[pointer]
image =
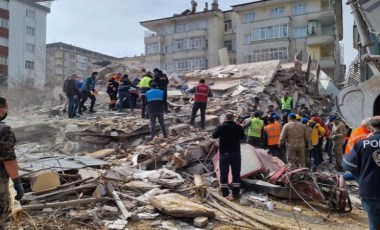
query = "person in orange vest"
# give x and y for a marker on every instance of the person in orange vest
(201, 94)
(358, 134)
(271, 135)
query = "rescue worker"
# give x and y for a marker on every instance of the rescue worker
(286, 103)
(337, 135)
(201, 94)
(255, 129)
(155, 99)
(364, 163)
(230, 134)
(309, 146)
(8, 166)
(271, 135)
(88, 91)
(162, 82)
(112, 87)
(315, 117)
(294, 136)
(124, 94)
(72, 93)
(317, 132)
(144, 85)
(358, 134)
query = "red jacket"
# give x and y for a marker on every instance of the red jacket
(201, 93)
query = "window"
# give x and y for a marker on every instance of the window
(227, 25)
(300, 8)
(152, 48)
(312, 27)
(196, 63)
(4, 4)
(29, 48)
(270, 32)
(203, 24)
(300, 32)
(3, 60)
(29, 65)
(179, 28)
(268, 54)
(4, 23)
(228, 44)
(249, 17)
(247, 39)
(178, 45)
(170, 29)
(277, 12)
(30, 14)
(4, 41)
(30, 30)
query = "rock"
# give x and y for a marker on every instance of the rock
(214, 111)
(210, 120)
(155, 223)
(178, 129)
(196, 169)
(199, 222)
(44, 180)
(179, 206)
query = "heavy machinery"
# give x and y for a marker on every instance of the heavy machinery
(357, 102)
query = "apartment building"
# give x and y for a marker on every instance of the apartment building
(64, 60)
(186, 41)
(22, 42)
(251, 32)
(278, 29)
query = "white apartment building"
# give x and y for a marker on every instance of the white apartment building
(186, 41)
(251, 32)
(26, 62)
(64, 60)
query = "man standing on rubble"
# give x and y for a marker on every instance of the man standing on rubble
(337, 135)
(294, 136)
(230, 134)
(124, 94)
(8, 166)
(364, 163)
(201, 94)
(155, 99)
(162, 82)
(286, 103)
(144, 85)
(88, 91)
(255, 129)
(271, 135)
(72, 93)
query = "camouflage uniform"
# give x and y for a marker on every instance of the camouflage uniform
(7, 143)
(295, 136)
(338, 132)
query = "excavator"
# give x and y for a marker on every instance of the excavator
(357, 102)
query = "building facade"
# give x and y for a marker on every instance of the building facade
(64, 60)
(22, 43)
(251, 32)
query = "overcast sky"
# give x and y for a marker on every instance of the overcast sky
(112, 26)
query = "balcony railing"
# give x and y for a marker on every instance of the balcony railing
(148, 34)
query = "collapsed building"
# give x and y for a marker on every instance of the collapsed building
(101, 171)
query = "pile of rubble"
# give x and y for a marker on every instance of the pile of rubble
(102, 171)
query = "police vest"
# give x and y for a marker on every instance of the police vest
(357, 134)
(255, 128)
(154, 95)
(145, 82)
(201, 93)
(286, 104)
(273, 132)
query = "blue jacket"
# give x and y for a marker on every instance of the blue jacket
(88, 84)
(364, 163)
(155, 98)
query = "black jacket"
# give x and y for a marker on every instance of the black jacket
(71, 88)
(230, 134)
(161, 80)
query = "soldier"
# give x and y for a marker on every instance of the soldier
(337, 135)
(294, 136)
(8, 166)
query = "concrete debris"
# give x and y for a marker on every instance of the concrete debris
(106, 163)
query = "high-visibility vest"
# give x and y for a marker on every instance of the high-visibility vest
(201, 93)
(273, 132)
(145, 82)
(357, 134)
(255, 129)
(286, 104)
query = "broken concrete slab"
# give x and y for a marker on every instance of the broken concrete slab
(179, 206)
(44, 180)
(200, 222)
(178, 129)
(101, 153)
(211, 120)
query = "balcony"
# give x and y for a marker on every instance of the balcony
(181, 54)
(154, 39)
(193, 33)
(326, 15)
(322, 38)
